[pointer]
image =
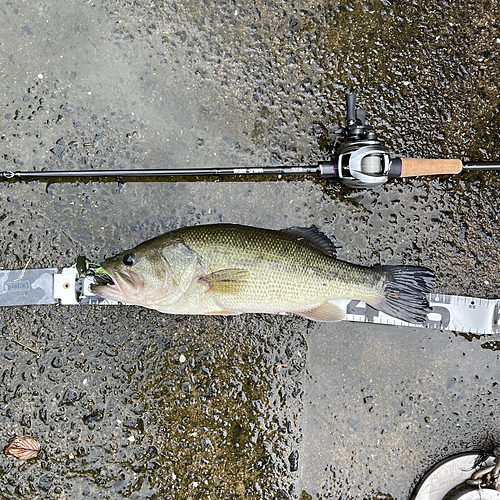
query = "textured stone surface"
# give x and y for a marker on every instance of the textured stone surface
(128, 403)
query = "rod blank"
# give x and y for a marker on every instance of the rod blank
(278, 170)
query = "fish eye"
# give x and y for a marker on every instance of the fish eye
(129, 259)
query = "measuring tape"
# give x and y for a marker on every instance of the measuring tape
(448, 312)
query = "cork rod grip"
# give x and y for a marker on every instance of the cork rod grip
(412, 167)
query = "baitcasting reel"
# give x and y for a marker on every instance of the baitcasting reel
(362, 160)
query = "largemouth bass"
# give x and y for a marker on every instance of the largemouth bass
(233, 269)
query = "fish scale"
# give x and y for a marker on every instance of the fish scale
(232, 269)
(278, 266)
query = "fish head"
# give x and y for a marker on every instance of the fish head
(139, 276)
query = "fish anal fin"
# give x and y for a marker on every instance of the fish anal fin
(225, 281)
(325, 312)
(222, 313)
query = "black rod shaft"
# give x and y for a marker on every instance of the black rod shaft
(482, 165)
(278, 170)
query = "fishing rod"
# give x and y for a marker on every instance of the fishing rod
(360, 160)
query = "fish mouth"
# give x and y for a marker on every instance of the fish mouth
(118, 285)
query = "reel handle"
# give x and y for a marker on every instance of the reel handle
(413, 167)
(351, 108)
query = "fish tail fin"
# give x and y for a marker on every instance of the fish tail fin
(404, 292)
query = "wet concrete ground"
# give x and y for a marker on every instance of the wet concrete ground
(129, 403)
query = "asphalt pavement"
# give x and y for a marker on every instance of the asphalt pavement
(129, 403)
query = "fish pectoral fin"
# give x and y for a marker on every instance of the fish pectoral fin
(226, 280)
(325, 312)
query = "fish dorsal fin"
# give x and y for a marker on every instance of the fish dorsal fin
(315, 238)
(325, 312)
(226, 280)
